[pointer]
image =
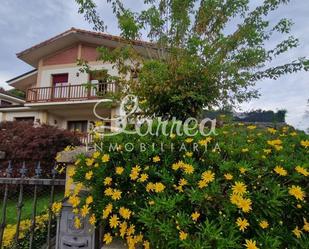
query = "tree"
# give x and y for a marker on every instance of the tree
(192, 61)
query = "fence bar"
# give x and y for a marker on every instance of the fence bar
(5, 198)
(23, 172)
(51, 201)
(38, 172)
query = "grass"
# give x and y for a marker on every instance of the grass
(42, 205)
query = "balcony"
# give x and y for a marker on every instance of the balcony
(70, 92)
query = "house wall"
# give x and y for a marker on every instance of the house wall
(10, 116)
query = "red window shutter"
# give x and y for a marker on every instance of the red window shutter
(60, 78)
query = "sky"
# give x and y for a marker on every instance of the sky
(26, 23)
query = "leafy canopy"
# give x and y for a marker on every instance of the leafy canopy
(202, 53)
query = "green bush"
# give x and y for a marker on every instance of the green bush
(247, 190)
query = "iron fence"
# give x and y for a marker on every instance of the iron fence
(26, 197)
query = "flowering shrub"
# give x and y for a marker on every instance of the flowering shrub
(24, 232)
(248, 189)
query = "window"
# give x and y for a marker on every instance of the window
(60, 79)
(5, 103)
(80, 125)
(24, 119)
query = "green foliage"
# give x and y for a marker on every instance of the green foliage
(182, 183)
(204, 53)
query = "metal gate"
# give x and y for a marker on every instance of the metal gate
(22, 234)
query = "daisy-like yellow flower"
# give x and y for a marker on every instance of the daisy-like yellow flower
(245, 204)
(267, 151)
(297, 232)
(89, 175)
(116, 195)
(172, 136)
(84, 211)
(74, 201)
(189, 154)
(108, 192)
(189, 140)
(89, 199)
(113, 221)
(107, 210)
(71, 172)
(135, 172)
(280, 171)
(202, 184)
(56, 207)
(306, 225)
(205, 141)
(125, 213)
(271, 130)
(251, 127)
(156, 159)
(208, 176)
(183, 182)
(143, 177)
(304, 143)
(77, 223)
(244, 150)
(242, 224)
(89, 162)
(228, 176)
(195, 216)
(243, 170)
(96, 154)
(159, 187)
(107, 238)
(188, 169)
(264, 224)
(119, 170)
(108, 181)
(131, 230)
(123, 228)
(293, 134)
(239, 188)
(92, 219)
(183, 235)
(146, 244)
(105, 158)
(302, 170)
(250, 244)
(297, 192)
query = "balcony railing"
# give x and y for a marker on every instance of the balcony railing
(70, 92)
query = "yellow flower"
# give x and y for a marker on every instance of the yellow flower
(239, 188)
(159, 187)
(263, 224)
(56, 207)
(146, 244)
(107, 238)
(195, 216)
(228, 176)
(242, 170)
(84, 211)
(188, 169)
(143, 177)
(71, 172)
(251, 127)
(189, 140)
(135, 172)
(108, 181)
(245, 204)
(96, 154)
(172, 136)
(271, 130)
(205, 141)
(131, 230)
(92, 219)
(116, 195)
(267, 151)
(280, 171)
(105, 158)
(119, 170)
(306, 225)
(251, 244)
(74, 201)
(107, 210)
(89, 175)
(89, 161)
(302, 170)
(244, 150)
(150, 187)
(297, 232)
(114, 221)
(123, 228)
(183, 182)
(151, 203)
(297, 192)
(77, 223)
(293, 134)
(108, 192)
(305, 143)
(242, 224)
(208, 176)
(202, 184)
(156, 159)
(125, 213)
(189, 154)
(183, 235)
(89, 200)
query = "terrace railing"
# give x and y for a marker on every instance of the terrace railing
(22, 184)
(70, 92)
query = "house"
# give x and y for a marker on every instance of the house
(56, 89)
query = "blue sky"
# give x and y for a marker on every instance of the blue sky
(26, 23)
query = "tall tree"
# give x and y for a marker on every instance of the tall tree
(193, 61)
